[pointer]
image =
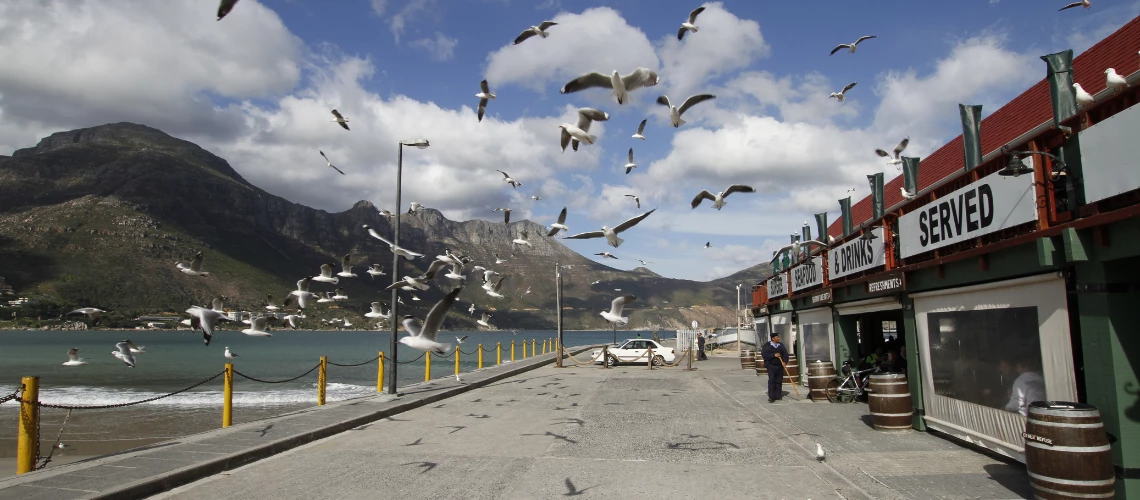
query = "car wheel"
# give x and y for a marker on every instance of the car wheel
(658, 361)
(611, 360)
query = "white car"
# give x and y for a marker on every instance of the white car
(633, 351)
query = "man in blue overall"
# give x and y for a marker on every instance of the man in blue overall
(774, 354)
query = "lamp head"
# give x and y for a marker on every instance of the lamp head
(1015, 167)
(419, 143)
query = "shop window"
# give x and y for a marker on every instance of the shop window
(817, 344)
(990, 357)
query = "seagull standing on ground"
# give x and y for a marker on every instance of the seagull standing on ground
(614, 314)
(340, 119)
(842, 94)
(423, 338)
(675, 112)
(894, 154)
(539, 30)
(73, 358)
(484, 96)
(635, 199)
(718, 199)
(621, 85)
(580, 133)
(819, 455)
(1084, 99)
(124, 352)
(507, 178)
(611, 234)
(851, 46)
(1083, 3)
(630, 165)
(1115, 81)
(329, 162)
(560, 225)
(195, 267)
(690, 25)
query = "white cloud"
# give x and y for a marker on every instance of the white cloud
(724, 44)
(412, 9)
(440, 48)
(598, 39)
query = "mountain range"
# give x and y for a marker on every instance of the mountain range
(99, 217)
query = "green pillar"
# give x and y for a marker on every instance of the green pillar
(846, 339)
(913, 367)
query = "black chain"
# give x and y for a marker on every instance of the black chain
(12, 396)
(277, 381)
(469, 353)
(54, 447)
(120, 405)
(412, 361)
(357, 364)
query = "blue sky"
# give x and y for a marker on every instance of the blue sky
(256, 87)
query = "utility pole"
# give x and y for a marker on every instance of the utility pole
(616, 290)
(558, 315)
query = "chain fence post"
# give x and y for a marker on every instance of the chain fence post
(480, 356)
(427, 366)
(228, 396)
(29, 432)
(457, 353)
(499, 353)
(380, 374)
(321, 377)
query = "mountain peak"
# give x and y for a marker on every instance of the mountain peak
(363, 204)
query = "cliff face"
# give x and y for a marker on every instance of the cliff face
(99, 216)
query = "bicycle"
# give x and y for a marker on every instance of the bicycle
(848, 389)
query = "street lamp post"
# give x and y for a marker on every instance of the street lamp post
(422, 144)
(616, 290)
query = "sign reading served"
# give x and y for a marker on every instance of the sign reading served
(991, 204)
(777, 286)
(808, 274)
(856, 255)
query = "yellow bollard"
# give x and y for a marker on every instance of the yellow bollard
(228, 396)
(480, 356)
(29, 433)
(380, 374)
(499, 353)
(512, 350)
(427, 366)
(533, 347)
(321, 380)
(524, 349)
(457, 353)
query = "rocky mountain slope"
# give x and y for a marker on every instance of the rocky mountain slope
(99, 216)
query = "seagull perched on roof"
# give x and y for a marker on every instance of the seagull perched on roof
(327, 160)
(423, 337)
(894, 154)
(1084, 99)
(484, 95)
(851, 46)
(1115, 81)
(842, 94)
(635, 199)
(506, 214)
(718, 199)
(1083, 3)
(614, 314)
(907, 195)
(630, 165)
(641, 130)
(506, 178)
(690, 25)
(340, 119)
(580, 133)
(560, 225)
(195, 267)
(675, 112)
(539, 30)
(611, 234)
(621, 85)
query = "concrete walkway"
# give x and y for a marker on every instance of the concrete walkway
(627, 432)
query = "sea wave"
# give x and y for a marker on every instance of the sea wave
(98, 396)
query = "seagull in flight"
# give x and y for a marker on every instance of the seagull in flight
(493, 289)
(851, 46)
(326, 275)
(327, 160)
(630, 165)
(124, 352)
(423, 338)
(675, 112)
(644, 262)
(339, 119)
(195, 267)
(635, 199)
(718, 199)
(258, 327)
(621, 85)
(560, 225)
(606, 255)
(375, 270)
(641, 130)
(92, 313)
(580, 133)
(536, 198)
(689, 24)
(521, 239)
(708, 244)
(403, 252)
(206, 319)
(611, 234)
(73, 358)
(539, 30)
(506, 214)
(614, 314)
(894, 155)
(842, 94)
(459, 340)
(506, 178)
(794, 249)
(301, 295)
(346, 267)
(414, 207)
(1083, 3)
(484, 95)
(225, 7)
(484, 320)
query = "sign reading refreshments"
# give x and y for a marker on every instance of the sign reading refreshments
(777, 286)
(808, 274)
(856, 255)
(892, 282)
(990, 204)
(821, 297)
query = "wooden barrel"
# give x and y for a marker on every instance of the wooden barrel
(747, 359)
(891, 409)
(1067, 452)
(793, 374)
(819, 374)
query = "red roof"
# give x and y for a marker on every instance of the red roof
(1017, 117)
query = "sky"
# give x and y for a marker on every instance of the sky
(257, 87)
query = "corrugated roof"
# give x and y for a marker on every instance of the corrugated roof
(1017, 117)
